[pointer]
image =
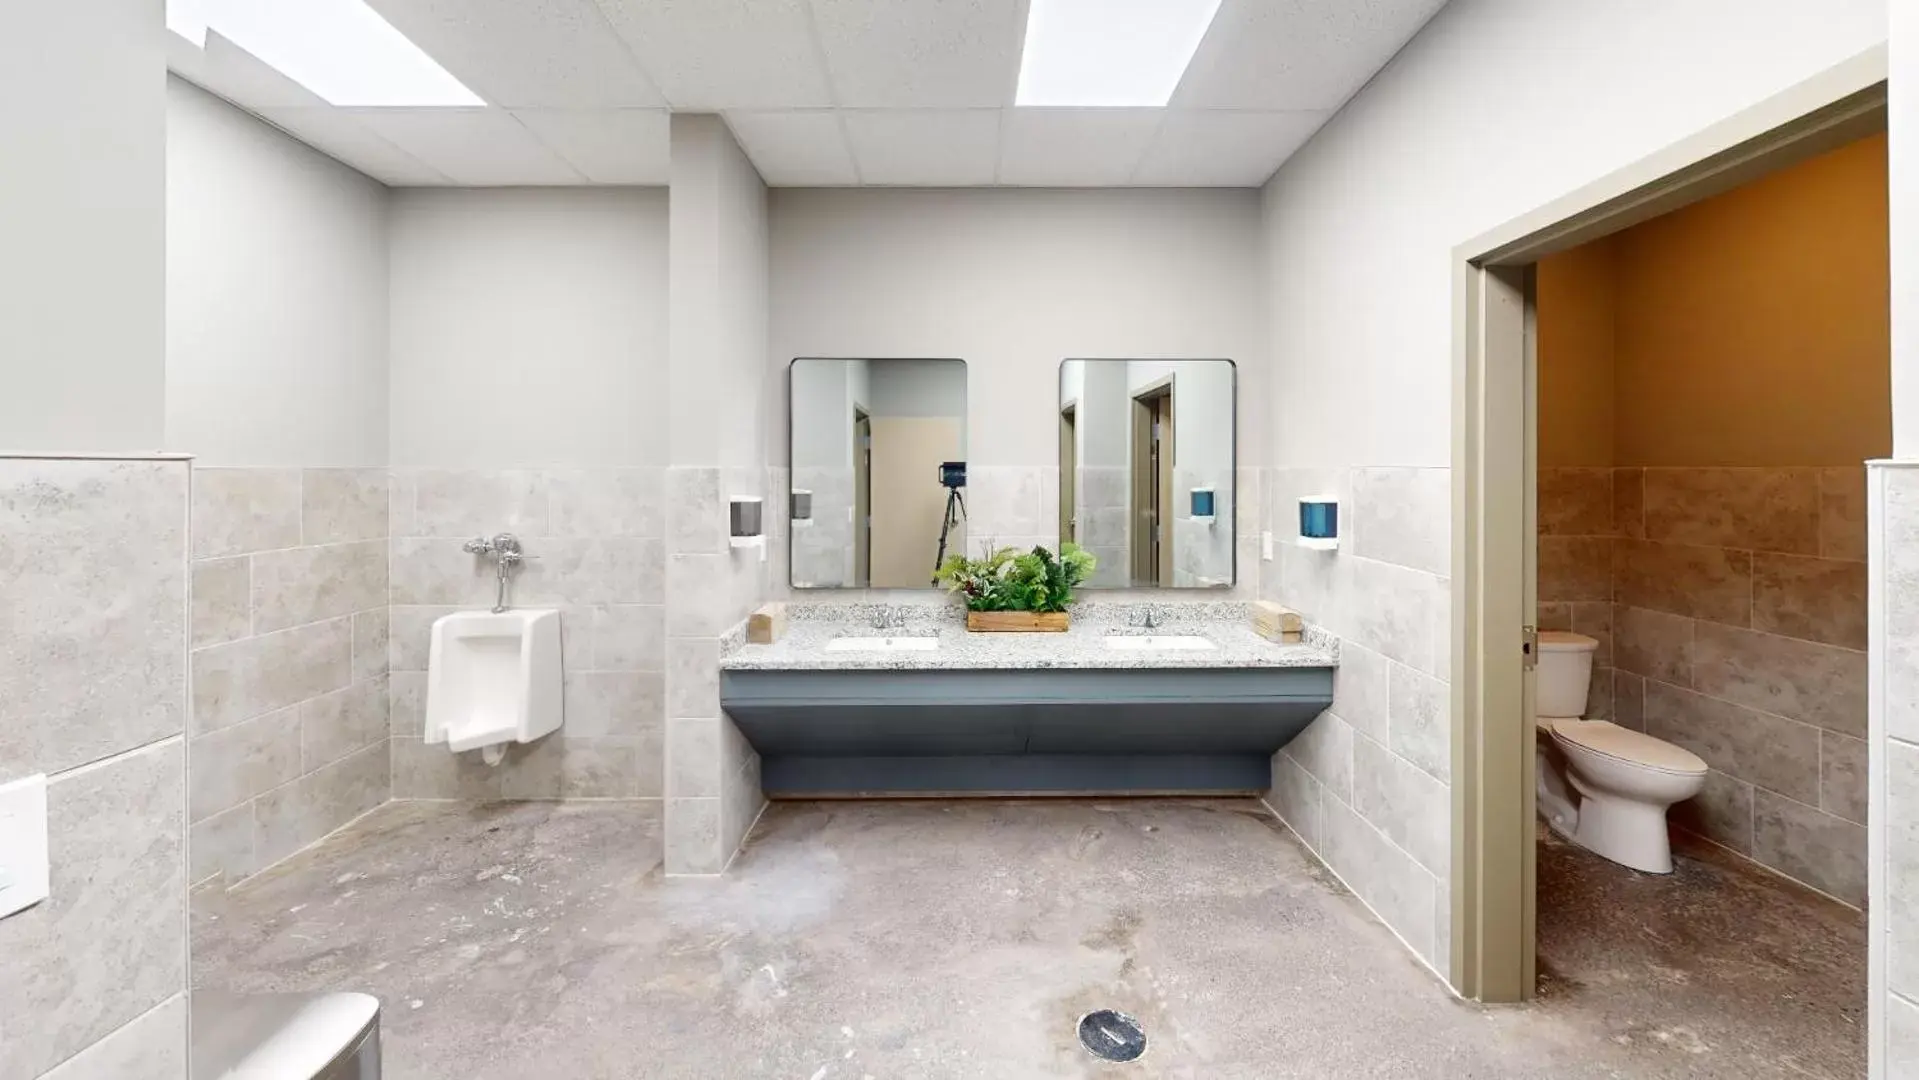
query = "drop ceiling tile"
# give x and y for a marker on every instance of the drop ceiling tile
(527, 53)
(472, 147)
(1216, 148)
(925, 147)
(1074, 147)
(1297, 54)
(921, 54)
(607, 146)
(345, 139)
(725, 54)
(227, 70)
(796, 149)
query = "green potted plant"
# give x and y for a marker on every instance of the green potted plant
(1011, 590)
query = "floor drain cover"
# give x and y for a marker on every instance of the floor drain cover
(1114, 1036)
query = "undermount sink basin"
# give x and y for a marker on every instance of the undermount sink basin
(883, 644)
(1158, 642)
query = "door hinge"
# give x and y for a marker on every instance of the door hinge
(1529, 645)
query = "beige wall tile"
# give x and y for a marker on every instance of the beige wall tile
(567, 767)
(1703, 582)
(1842, 776)
(1900, 646)
(695, 607)
(238, 511)
(109, 943)
(1555, 615)
(438, 573)
(1403, 516)
(1295, 798)
(1575, 568)
(607, 502)
(1653, 643)
(610, 570)
(1802, 680)
(1395, 611)
(1824, 851)
(1902, 867)
(222, 601)
(1410, 807)
(1595, 620)
(370, 645)
(343, 505)
(222, 845)
(629, 637)
(693, 759)
(1721, 812)
(1754, 509)
(431, 771)
(602, 704)
(1768, 751)
(406, 704)
(1325, 749)
(243, 679)
(1902, 1037)
(692, 678)
(1359, 689)
(1842, 513)
(1419, 730)
(693, 842)
(94, 576)
(337, 724)
(152, 1046)
(1382, 874)
(294, 815)
(1629, 699)
(1575, 502)
(410, 635)
(1629, 502)
(308, 584)
(464, 503)
(1815, 599)
(233, 764)
(696, 514)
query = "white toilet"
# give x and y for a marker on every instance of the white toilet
(493, 678)
(1603, 786)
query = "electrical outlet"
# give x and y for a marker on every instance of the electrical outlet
(23, 844)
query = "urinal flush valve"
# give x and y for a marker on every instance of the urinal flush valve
(506, 553)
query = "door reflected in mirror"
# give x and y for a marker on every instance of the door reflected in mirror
(878, 471)
(1146, 460)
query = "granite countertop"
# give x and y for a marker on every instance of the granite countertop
(1226, 624)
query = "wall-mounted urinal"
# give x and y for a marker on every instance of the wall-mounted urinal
(493, 678)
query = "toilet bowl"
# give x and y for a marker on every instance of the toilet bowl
(1603, 786)
(493, 678)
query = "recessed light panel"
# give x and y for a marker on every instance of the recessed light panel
(341, 50)
(1109, 52)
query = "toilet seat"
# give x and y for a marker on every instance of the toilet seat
(1636, 748)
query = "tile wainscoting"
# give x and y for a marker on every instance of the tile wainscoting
(288, 737)
(1730, 605)
(93, 693)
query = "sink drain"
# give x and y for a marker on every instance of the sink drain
(1114, 1036)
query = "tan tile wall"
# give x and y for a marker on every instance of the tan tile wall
(596, 551)
(1737, 629)
(1367, 786)
(288, 734)
(93, 684)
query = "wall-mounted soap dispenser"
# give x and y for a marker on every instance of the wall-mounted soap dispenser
(801, 508)
(1319, 522)
(1202, 502)
(744, 523)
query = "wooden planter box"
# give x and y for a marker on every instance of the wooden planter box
(1018, 622)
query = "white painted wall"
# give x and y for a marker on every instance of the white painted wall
(276, 295)
(82, 226)
(1013, 282)
(529, 327)
(1497, 107)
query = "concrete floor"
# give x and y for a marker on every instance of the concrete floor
(965, 939)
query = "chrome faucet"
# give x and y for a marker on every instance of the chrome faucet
(1148, 621)
(506, 553)
(887, 620)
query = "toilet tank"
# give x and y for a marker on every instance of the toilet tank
(1565, 673)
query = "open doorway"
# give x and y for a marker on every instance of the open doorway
(1501, 565)
(1155, 449)
(862, 497)
(1069, 472)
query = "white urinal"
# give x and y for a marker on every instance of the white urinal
(493, 678)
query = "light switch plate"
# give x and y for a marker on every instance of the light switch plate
(23, 844)
(1266, 545)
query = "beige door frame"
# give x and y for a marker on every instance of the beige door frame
(1494, 458)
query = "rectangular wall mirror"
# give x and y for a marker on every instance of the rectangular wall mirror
(1146, 470)
(878, 460)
